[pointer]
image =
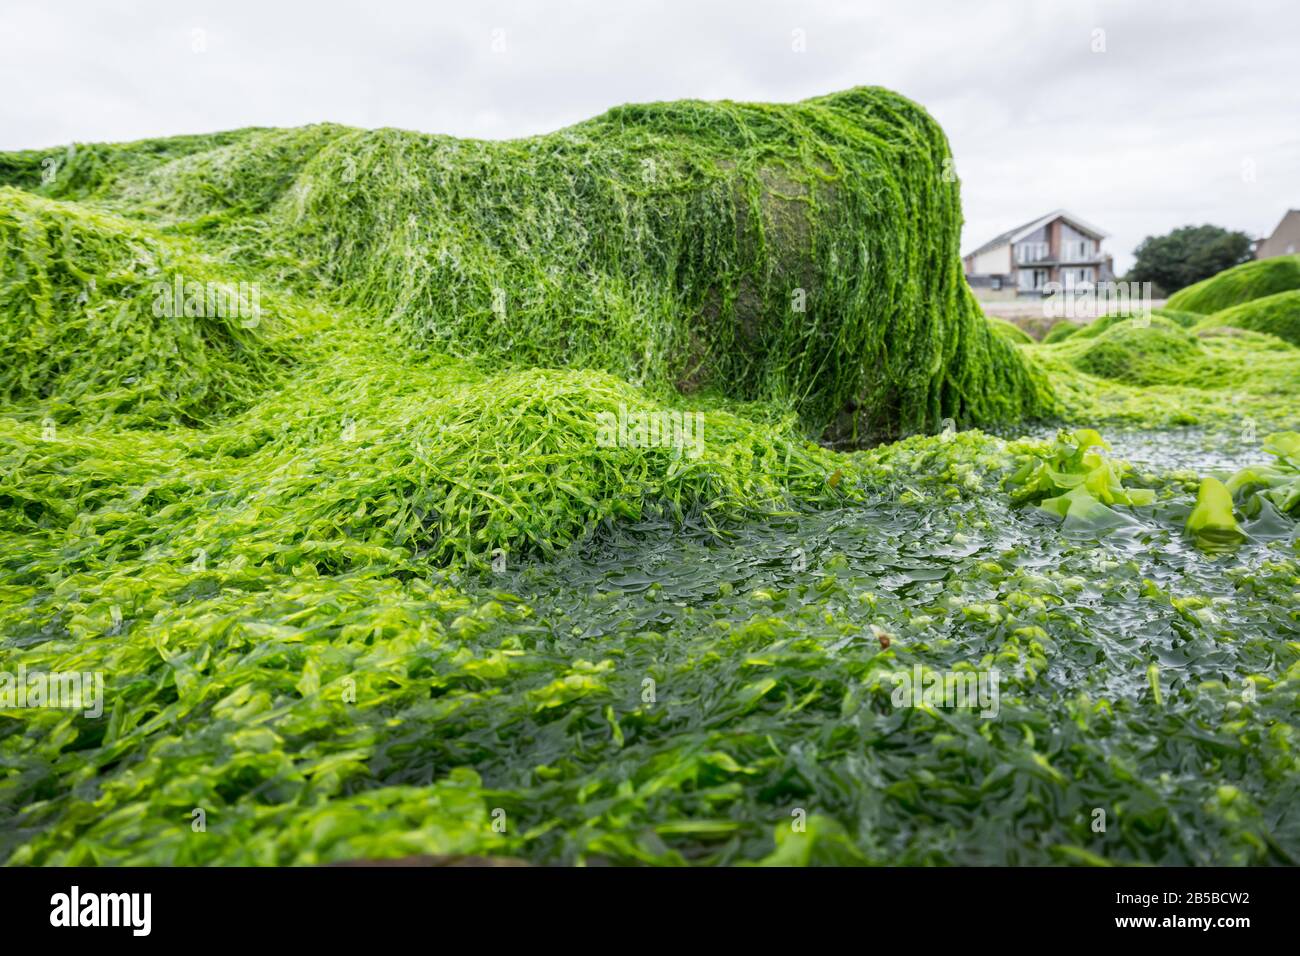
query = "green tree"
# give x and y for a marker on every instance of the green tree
(1188, 254)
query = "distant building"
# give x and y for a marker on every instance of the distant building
(1285, 240)
(1056, 248)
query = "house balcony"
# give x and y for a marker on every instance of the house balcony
(1094, 260)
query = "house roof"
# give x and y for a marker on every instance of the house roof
(1282, 222)
(1019, 232)
(1283, 237)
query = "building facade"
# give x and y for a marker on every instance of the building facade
(1285, 240)
(1058, 250)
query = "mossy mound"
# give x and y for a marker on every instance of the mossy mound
(804, 255)
(1273, 314)
(1068, 328)
(366, 455)
(245, 173)
(1135, 354)
(1061, 331)
(1010, 331)
(1250, 280)
(81, 171)
(1180, 316)
(1237, 375)
(1095, 327)
(91, 324)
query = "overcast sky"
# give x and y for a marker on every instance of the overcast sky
(1138, 117)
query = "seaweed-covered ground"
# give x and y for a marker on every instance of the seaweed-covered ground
(497, 512)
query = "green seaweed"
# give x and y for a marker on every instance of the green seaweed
(1159, 353)
(406, 567)
(1250, 280)
(1212, 522)
(1061, 331)
(1073, 479)
(1278, 483)
(1179, 316)
(1154, 374)
(1277, 314)
(1067, 328)
(90, 330)
(751, 250)
(664, 696)
(1010, 331)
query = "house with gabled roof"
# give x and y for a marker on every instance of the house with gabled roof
(1058, 250)
(1285, 240)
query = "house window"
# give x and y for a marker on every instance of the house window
(1028, 280)
(1031, 251)
(1076, 249)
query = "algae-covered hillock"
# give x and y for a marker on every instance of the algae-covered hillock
(1152, 353)
(1068, 328)
(103, 319)
(1010, 331)
(1277, 314)
(801, 254)
(1250, 280)
(1156, 372)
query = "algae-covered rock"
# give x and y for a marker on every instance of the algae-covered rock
(804, 254)
(101, 318)
(1061, 331)
(1010, 331)
(1068, 328)
(1181, 317)
(1250, 280)
(1277, 315)
(1139, 353)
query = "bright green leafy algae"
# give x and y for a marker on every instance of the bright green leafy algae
(1061, 331)
(1077, 482)
(1274, 314)
(1243, 283)
(1010, 331)
(83, 336)
(1156, 374)
(1211, 522)
(365, 576)
(770, 692)
(1277, 484)
(1155, 354)
(804, 254)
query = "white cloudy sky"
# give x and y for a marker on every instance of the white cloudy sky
(1163, 128)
